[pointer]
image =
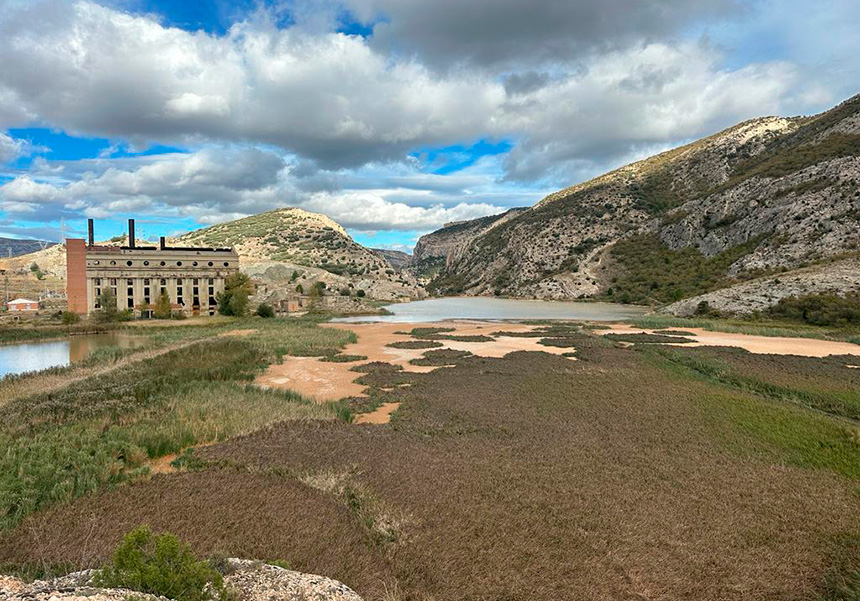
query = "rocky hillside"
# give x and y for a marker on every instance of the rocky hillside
(839, 277)
(292, 236)
(768, 195)
(435, 250)
(396, 258)
(312, 245)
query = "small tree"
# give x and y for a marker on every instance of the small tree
(234, 300)
(159, 564)
(162, 307)
(109, 311)
(264, 310)
(37, 271)
(360, 293)
(68, 318)
(300, 289)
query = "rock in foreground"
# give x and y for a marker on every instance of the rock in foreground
(249, 580)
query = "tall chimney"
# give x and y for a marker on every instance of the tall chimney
(161, 243)
(131, 233)
(90, 235)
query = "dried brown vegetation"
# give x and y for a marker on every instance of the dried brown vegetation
(622, 475)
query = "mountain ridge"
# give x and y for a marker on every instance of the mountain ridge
(768, 194)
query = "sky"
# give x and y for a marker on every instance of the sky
(392, 117)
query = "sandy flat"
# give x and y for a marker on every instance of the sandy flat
(322, 381)
(381, 415)
(326, 381)
(767, 345)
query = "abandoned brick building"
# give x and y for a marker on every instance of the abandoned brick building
(137, 275)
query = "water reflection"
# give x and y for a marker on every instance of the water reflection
(34, 356)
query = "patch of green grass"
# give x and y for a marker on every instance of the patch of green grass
(749, 423)
(813, 383)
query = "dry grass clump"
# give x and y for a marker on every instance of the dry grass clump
(426, 332)
(440, 357)
(414, 344)
(647, 338)
(343, 358)
(376, 366)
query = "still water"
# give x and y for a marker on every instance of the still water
(31, 356)
(463, 307)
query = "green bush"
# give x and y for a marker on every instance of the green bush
(265, 311)
(109, 311)
(68, 318)
(650, 271)
(234, 299)
(159, 564)
(819, 309)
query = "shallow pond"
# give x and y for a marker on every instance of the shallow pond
(32, 356)
(469, 307)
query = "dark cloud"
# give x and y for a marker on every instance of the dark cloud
(505, 34)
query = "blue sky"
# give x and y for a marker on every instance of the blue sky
(391, 117)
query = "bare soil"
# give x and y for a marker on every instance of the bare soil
(771, 345)
(326, 381)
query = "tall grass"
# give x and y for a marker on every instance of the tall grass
(101, 430)
(753, 328)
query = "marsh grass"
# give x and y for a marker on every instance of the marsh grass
(414, 344)
(538, 466)
(754, 417)
(84, 428)
(647, 338)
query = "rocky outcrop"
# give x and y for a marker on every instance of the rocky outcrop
(436, 250)
(248, 580)
(840, 277)
(396, 258)
(784, 191)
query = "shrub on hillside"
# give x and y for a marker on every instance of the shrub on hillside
(265, 311)
(820, 309)
(159, 564)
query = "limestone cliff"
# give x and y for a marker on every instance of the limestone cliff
(764, 196)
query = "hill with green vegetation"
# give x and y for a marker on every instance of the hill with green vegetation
(766, 196)
(309, 244)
